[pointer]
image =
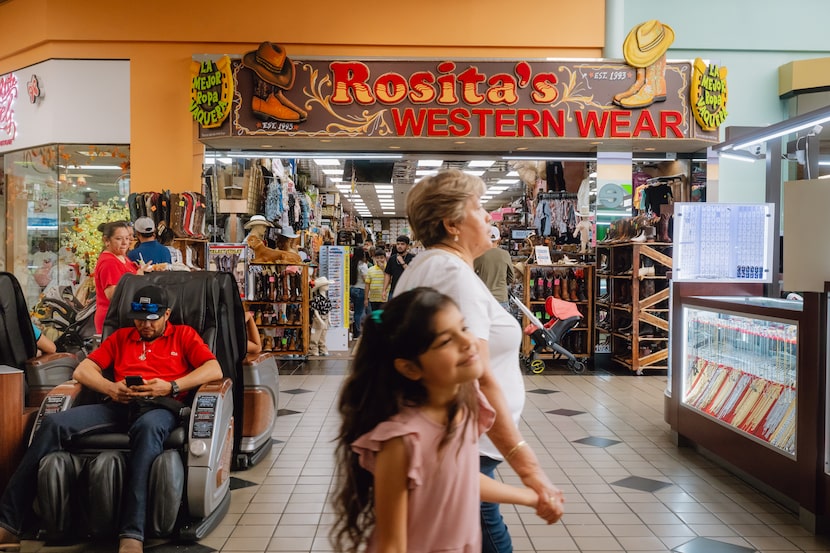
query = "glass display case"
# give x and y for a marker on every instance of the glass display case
(741, 370)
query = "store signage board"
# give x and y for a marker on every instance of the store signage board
(457, 100)
(722, 242)
(8, 95)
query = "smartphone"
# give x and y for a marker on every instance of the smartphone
(134, 381)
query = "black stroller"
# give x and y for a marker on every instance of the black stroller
(549, 336)
(74, 322)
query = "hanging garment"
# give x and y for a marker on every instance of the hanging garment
(543, 218)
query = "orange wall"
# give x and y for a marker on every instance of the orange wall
(159, 38)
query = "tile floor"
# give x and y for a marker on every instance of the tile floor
(600, 436)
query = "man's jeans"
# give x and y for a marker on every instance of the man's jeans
(357, 297)
(147, 437)
(494, 533)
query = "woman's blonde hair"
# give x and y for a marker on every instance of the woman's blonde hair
(442, 196)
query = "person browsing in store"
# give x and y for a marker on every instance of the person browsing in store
(148, 249)
(112, 264)
(169, 360)
(396, 264)
(407, 450)
(446, 215)
(495, 268)
(375, 279)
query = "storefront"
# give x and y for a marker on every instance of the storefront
(64, 156)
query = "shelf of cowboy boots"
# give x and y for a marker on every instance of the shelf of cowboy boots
(278, 295)
(568, 282)
(194, 251)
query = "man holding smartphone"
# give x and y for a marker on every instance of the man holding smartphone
(155, 359)
(396, 264)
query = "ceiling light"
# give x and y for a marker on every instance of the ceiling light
(384, 187)
(798, 123)
(481, 163)
(497, 189)
(485, 198)
(336, 179)
(569, 157)
(512, 174)
(474, 173)
(430, 162)
(738, 155)
(326, 161)
(100, 167)
(507, 181)
(425, 173)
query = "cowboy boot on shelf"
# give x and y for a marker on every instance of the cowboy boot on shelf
(663, 228)
(654, 89)
(573, 289)
(557, 288)
(634, 88)
(646, 289)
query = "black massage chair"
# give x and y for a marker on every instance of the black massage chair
(79, 489)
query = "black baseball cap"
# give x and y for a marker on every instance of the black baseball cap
(149, 304)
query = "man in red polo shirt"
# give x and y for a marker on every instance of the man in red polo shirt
(168, 360)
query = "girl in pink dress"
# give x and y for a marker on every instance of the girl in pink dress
(408, 446)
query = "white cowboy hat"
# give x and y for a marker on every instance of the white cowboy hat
(584, 212)
(258, 220)
(320, 282)
(288, 232)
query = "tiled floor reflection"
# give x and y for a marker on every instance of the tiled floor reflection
(628, 487)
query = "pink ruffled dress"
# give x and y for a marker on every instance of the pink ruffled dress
(443, 503)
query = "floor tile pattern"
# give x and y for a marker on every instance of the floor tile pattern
(615, 496)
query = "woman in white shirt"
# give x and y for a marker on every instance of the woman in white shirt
(445, 214)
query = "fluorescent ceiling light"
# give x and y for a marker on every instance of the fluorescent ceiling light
(425, 173)
(326, 161)
(736, 155)
(332, 171)
(336, 179)
(481, 163)
(487, 198)
(430, 162)
(99, 167)
(384, 187)
(507, 181)
(497, 188)
(512, 174)
(782, 132)
(552, 158)
(474, 173)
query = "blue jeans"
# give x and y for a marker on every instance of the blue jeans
(147, 435)
(494, 533)
(357, 297)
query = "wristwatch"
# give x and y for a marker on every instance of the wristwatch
(174, 388)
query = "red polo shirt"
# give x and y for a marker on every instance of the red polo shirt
(172, 355)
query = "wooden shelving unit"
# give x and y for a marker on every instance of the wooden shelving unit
(632, 305)
(198, 248)
(278, 296)
(540, 282)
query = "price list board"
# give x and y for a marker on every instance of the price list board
(723, 242)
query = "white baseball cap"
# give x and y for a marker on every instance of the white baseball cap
(494, 234)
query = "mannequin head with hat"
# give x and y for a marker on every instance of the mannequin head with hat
(257, 225)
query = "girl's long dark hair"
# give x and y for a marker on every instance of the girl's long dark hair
(374, 391)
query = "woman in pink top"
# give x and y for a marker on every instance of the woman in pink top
(408, 447)
(112, 264)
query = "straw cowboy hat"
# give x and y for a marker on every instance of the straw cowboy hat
(646, 42)
(320, 282)
(270, 62)
(258, 220)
